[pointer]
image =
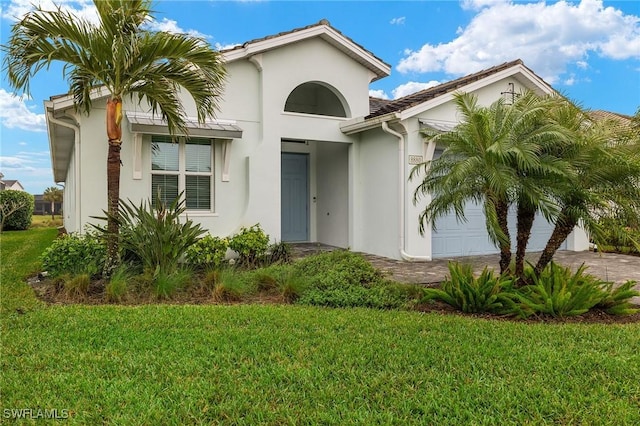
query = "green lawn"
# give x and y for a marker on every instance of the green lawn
(251, 364)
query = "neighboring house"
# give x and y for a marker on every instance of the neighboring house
(11, 184)
(298, 147)
(42, 207)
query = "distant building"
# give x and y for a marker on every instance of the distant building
(43, 207)
(10, 184)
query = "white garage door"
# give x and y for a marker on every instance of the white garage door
(470, 238)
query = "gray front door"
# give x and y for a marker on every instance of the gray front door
(295, 197)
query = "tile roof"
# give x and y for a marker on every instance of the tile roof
(600, 114)
(376, 103)
(417, 98)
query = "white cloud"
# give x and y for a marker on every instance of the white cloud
(16, 9)
(171, 26)
(220, 46)
(15, 114)
(378, 94)
(398, 21)
(547, 37)
(412, 87)
(479, 4)
(85, 9)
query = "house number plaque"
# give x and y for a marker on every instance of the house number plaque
(415, 159)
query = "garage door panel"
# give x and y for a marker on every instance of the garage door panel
(453, 238)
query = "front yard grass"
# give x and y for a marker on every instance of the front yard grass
(253, 364)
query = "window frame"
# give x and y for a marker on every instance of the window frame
(182, 172)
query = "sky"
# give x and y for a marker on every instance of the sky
(588, 50)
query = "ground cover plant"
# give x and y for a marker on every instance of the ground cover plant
(276, 364)
(556, 292)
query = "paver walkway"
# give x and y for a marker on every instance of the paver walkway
(608, 266)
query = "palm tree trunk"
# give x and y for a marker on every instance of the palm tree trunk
(525, 217)
(563, 228)
(502, 209)
(114, 132)
(52, 208)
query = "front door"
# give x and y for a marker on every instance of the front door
(295, 197)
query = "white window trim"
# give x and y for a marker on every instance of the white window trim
(182, 174)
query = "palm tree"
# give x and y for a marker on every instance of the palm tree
(53, 195)
(123, 59)
(543, 172)
(473, 167)
(499, 155)
(607, 179)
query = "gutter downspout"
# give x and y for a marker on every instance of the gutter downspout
(76, 165)
(401, 195)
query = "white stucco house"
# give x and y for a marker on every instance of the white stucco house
(298, 146)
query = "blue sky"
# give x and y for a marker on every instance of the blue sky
(589, 50)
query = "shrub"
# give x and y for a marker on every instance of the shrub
(486, 293)
(208, 252)
(338, 268)
(382, 295)
(16, 210)
(116, 288)
(75, 254)
(77, 285)
(617, 301)
(154, 234)
(345, 279)
(251, 245)
(559, 292)
(278, 253)
(231, 286)
(165, 284)
(280, 279)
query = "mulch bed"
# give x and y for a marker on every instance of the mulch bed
(48, 291)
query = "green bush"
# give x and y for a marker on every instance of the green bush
(280, 279)
(166, 284)
(617, 300)
(207, 252)
(16, 209)
(251, 245)
(75, 254)
(559, 292)
(278, 253)
(152, 232)
(485, 293)
(231, 286)
(338, 269)
(116, 288)
(345, 279)
(620, 235)
(77, 286)
(381, 295)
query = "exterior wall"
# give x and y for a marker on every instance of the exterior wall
(377, 214)
(332, 207)
(69, 201)
(254, 96)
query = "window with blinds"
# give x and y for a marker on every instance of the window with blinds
(183, 166)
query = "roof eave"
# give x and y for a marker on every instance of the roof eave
(511, 71)
(360, 124)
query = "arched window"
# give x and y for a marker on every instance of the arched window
(315, 98)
